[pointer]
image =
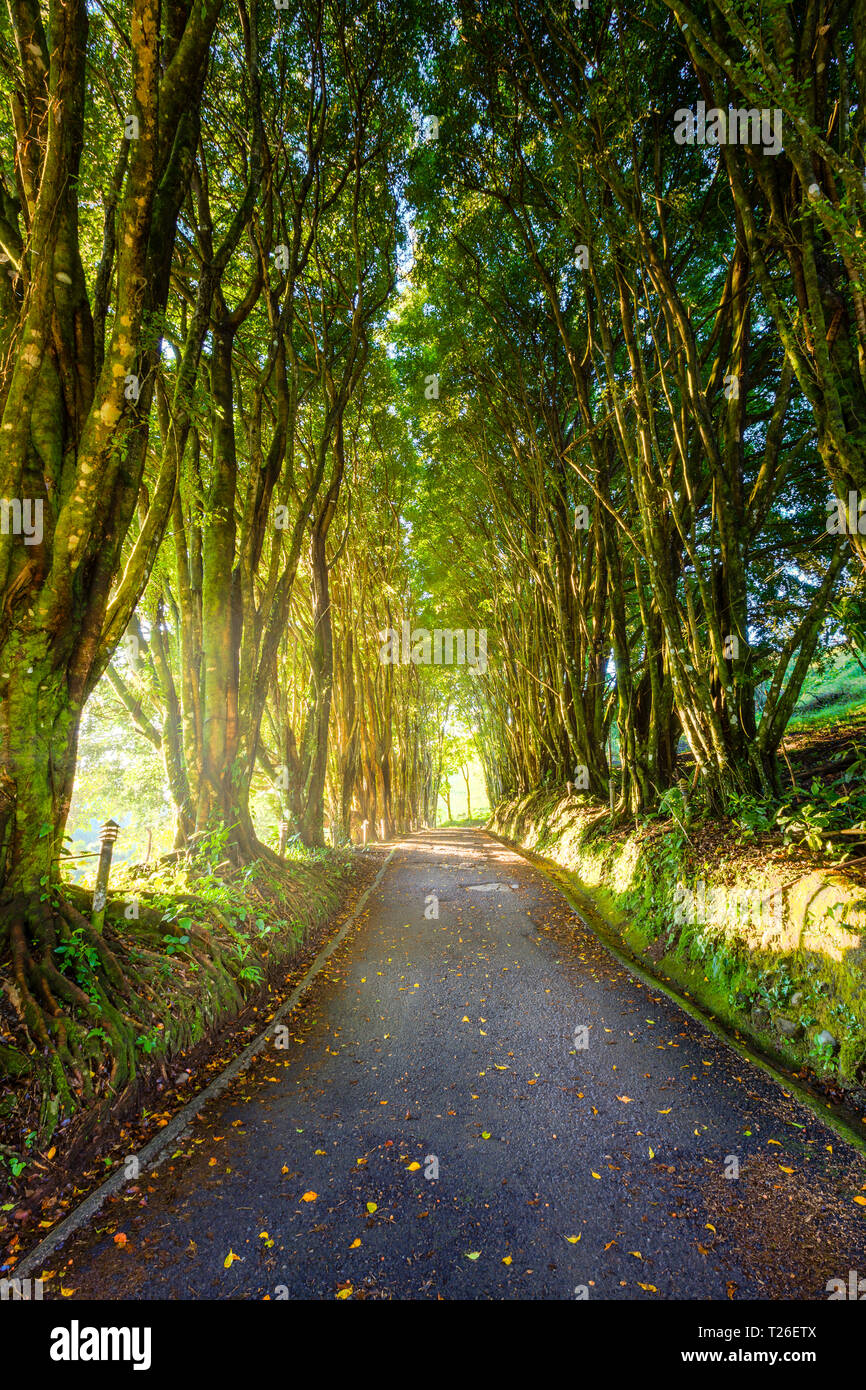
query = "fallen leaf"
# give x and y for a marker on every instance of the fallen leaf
(230, 1259)
(309, 1196)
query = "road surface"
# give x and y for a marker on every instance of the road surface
(454, 1045)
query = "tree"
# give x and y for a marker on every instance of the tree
(81, 331)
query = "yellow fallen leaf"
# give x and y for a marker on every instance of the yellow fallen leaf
(708, 1227)
(230, 1259)
(345, 1293)
(597, 1175)
(651, 1154)
(263, 1235)
(861, 1201)
(650, 1288)
(774, 1141)
(636, 1253)
(626, 1100)
(786, 1170)
(371, 1207)
(51, 1152)
(572, 1240)
(485, 1134)
(320, 1151)
(309, 1196)
(506, 1259)
(465, 1019)
(413, 1167)
(355, 1243)
(666, 1112)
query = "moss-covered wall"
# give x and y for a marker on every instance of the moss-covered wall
(779, 957)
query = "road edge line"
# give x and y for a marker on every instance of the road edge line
(156, 1149)
(581, 898)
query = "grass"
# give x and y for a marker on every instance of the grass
(834, 691)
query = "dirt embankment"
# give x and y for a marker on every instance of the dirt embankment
(213, 954)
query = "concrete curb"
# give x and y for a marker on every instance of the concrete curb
(157, 1148)
(595, 920)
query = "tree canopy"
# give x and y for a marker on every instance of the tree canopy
(371, 371)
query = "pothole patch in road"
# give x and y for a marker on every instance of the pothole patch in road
(490, 887)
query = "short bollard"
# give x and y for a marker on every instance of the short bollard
(107, 836)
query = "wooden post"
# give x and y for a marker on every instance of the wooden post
(107, 836)
(284, 836)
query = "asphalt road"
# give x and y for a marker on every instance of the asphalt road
(453, 1045)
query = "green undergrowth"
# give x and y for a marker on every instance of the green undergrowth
(185, 948)
(774, 953)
